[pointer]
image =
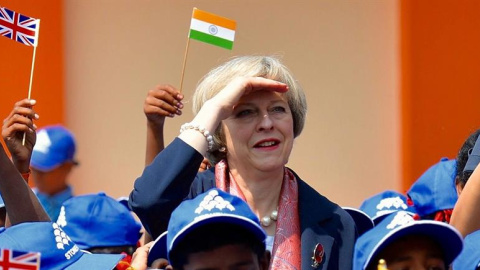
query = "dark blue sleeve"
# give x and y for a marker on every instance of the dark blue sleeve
(164, 184)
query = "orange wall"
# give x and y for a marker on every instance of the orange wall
(344, 53)
(440, 64)
(16, 61)
(440, 80)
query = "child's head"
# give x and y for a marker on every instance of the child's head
(99, 224)
(404, 242)
(433, 194)
(219, 244)
(382, 204)
(412, 252)
(213, 230)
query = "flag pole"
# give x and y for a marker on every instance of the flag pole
(31, 71)
(184, 64)
(185, 55)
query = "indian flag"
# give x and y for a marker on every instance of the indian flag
(212, 29)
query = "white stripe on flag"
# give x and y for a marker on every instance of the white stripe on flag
(204, 27)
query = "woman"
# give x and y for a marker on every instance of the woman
(248, 112)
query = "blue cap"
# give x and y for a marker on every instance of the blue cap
(400, 224)
(55, 145)
(469, 259)
(435, 189)
(362, 221)
(211, 207)
(97, 220)
(380, 205)
(55, 246)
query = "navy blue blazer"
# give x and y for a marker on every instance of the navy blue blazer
(173, 176)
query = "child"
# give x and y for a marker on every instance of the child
(405, 243)
(213, 230)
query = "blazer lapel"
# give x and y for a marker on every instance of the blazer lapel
(314, 211)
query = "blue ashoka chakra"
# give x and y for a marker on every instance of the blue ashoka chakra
(212, 29)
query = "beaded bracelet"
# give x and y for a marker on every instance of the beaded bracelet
(200, 129)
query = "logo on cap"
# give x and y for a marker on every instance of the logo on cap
(63, 240)
(400, 219)
(62, 220)
(387, 203)
(61, 237)
(43, 142)
(211, 201)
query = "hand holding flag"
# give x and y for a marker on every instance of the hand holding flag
(23, 29)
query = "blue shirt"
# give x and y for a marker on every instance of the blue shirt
(52, 204)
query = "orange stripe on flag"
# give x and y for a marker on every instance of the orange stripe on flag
(214, 19)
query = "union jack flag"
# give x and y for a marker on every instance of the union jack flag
(19, 27)
(10, 259)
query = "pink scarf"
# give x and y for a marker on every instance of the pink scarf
(287, 244)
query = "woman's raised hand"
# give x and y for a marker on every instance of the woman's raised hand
(229, 96)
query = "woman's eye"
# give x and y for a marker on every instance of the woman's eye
(278, 109)
(244, 113)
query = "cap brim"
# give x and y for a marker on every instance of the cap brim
(96, 261)
(241, 221)
(445, 235)
(124, 201)
(158, 249)
(43, 162)
(362, 220)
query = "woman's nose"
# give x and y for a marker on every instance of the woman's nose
(265, 123)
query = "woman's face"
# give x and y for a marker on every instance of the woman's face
(259, 133)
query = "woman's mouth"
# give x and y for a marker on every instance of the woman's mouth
(266, 143)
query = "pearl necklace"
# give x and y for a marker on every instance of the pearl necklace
(267, 220)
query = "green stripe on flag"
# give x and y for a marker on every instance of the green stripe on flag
(227, 44)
